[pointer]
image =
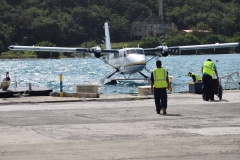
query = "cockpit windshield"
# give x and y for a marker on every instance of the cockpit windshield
(135, 51)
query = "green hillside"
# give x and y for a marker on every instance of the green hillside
(73, 22)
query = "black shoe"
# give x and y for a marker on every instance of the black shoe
(211, 99)
(158, 112)
(164, 111)
(207, 98)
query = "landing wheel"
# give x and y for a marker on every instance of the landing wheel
(220, 92)
(203, 95)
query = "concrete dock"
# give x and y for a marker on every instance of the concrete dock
(120, 127)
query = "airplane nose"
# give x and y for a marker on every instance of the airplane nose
(137, 59)
(135, 63)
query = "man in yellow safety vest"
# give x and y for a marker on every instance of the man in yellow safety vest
(208, 70)
(159, 79)
(195, 77)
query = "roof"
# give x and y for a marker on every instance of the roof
(188, 31)
(140, 18)
(153, 19)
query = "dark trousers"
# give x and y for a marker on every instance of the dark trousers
(160, 97)
(208, 87)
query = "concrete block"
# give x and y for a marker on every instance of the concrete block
(87, 95)
(144, 90)
(65, 94)
(87, 89)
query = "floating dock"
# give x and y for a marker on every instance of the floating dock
(25, 91)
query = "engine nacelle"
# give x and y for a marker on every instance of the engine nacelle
(97, 55)
(165, 51)
(162, 51)
(97, 51)
(165, 54)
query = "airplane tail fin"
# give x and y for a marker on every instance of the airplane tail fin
(107, 36)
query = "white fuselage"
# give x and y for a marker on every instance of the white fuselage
(128, 60)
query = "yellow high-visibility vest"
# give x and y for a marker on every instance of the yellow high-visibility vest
(208, 67)
(159, 76)
(198, 78)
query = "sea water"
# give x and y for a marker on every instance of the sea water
(77, 71)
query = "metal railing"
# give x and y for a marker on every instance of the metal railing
(230, 81)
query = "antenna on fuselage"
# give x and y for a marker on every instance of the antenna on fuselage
(107, 36)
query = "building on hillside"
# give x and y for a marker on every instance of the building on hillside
(150, 26)
(202, 31)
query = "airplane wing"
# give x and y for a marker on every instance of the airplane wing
(205, 46)
(98, 51)
(63, 49)
(47, 49)
(163, 50)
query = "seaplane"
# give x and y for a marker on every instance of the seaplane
(129, 62)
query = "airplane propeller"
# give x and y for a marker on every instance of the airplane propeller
(162, 49)
(165, 49)
(103, 41)
(163, 40)
(97, 50)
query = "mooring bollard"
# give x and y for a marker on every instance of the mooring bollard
(61, 86)
(29, 86)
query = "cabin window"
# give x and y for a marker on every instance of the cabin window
(135, 51)
(116, 55)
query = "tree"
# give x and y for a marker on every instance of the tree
(72, 22)
(212, 39)
(149, 42)
(119, 24)
(45, 29)
(46, 54)
(182, 40)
